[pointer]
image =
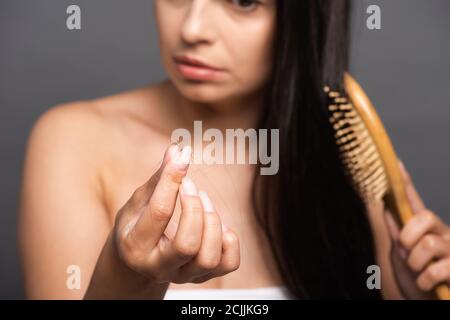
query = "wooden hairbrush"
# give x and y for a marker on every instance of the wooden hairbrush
(368, 153)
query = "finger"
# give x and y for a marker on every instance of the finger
(188, 237)
(153, 221)
(435, 273)
(230, 254)
(414, 198)
(422, 223)
(171, 230)
(171, 153)
(429, 247)
(141, 195)
(130, 213)
(203, 278)
(210, 253)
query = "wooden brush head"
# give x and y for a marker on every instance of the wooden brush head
(366, 148)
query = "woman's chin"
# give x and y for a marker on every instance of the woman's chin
(206, 93)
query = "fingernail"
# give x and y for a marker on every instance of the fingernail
(184, 157)
(189, 187)
(206, 201)
(224, 228)
(174, 151)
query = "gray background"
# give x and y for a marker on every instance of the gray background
(404, 68)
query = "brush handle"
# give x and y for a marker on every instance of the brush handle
(443, 292)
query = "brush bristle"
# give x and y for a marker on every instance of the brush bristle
(358, 150)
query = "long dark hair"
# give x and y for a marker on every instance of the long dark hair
(315, 221)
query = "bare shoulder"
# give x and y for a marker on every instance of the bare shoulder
(64, 139)
(62, 124)
(84, 118)
(94, 144)
(63, 151)
(88, 126)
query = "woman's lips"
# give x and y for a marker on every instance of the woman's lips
(193, 69)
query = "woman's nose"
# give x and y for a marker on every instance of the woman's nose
(196, 27)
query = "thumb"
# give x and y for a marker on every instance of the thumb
(163, 189)
(392, 226)
(394, 232)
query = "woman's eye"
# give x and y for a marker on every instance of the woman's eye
(246, 5)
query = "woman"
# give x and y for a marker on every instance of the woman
(98, 203)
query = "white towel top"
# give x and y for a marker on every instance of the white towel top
(264, 293)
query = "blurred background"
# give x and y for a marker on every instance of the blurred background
(404, 68)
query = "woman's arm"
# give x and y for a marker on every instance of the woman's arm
(62, 221)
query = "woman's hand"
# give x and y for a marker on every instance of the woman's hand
(145, 251)
(194, 251)
(420, 251)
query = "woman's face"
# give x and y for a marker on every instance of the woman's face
(216, 50)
